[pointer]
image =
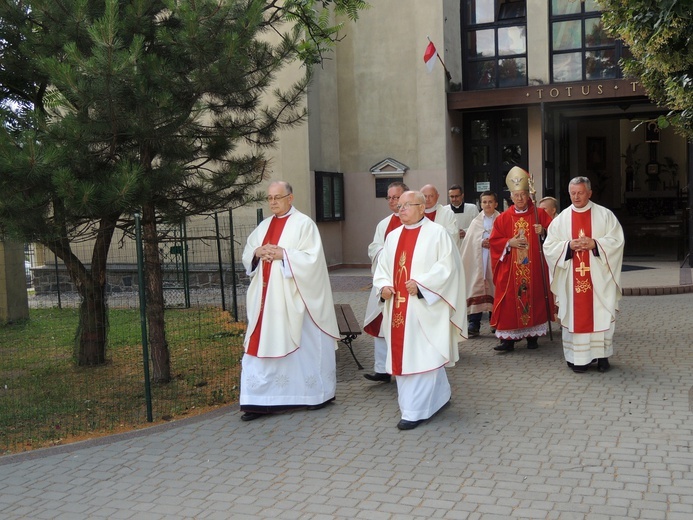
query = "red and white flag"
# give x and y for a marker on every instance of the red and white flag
(430, 56)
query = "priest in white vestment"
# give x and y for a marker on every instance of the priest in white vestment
(290, 344)
(476, 263)
(440, 214)
(464, 213)
(421, 286)
(584, 251)
(372, 323)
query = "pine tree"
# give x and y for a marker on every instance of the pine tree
(167, 107)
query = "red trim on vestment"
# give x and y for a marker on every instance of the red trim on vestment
(583, 293)
(274, 232)
(402, 273)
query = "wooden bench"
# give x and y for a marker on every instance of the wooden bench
(349, 327)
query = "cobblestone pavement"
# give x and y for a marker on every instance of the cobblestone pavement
(524, 437)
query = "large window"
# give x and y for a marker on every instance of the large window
(494, 43)
(329, 194)
(580, 47)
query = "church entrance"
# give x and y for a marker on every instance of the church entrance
(636, 170)
(494, 142)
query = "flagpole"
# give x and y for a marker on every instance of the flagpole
(447, 72)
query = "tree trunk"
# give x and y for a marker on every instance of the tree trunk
(92, 331)
(154, 287)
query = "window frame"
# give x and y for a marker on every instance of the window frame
(325, 183)
(474, 66)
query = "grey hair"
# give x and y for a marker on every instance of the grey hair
(581, 180)
(287, 186)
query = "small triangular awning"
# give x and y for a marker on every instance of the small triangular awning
(389, 167)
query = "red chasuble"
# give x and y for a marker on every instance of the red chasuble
(583, 303)
(402, 271)
(373, 328)
(519, 300)
(274, 232)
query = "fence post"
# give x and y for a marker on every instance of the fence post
(259, 216)
(219, 262)
(233, 267)
(143, 318)
(184, 257)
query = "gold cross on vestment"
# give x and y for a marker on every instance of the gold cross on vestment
(582, 269)
(399, 299)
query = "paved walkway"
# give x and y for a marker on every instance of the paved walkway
(524, 437)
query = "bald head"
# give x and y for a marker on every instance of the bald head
(431, 195)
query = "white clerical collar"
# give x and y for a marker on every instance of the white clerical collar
(291, 210)
(457, 207)
(584, 208)
(521, 210)
(431, 210)
(414, 226)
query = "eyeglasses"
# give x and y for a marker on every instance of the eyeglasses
(408, 205)
(277, 197)
(392, 198)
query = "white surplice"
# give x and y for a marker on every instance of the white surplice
(296, 362)
(605, 272)
(434, 324)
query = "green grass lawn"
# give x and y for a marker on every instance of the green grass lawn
(45, 399)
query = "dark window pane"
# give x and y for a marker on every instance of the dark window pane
(595, 35)
(567, 67)
(510, 10)
(601, 64)
(480, 129)
(481, 44)
(483, 74)
(512, 72)
(480, 155)
(510, 127)
(512, 40)
(511, 154)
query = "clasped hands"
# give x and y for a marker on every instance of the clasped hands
(520, 241)
(583, 244)
(269, 253)
(388, 292)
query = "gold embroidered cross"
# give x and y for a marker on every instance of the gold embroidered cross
(399, 299)
(582, 269)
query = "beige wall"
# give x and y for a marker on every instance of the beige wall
(375, 100)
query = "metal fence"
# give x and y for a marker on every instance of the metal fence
(46, 398)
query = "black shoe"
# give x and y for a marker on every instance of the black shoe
(505, 346)
(532, 343)
(378, 377)
(603, 364)
(408, 425)
(580, 369)
(251, 416)
(318, 406)
(472, 333)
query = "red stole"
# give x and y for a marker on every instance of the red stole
(373, 328)
(394, 223)
(522, 270)
(432, 215)
(583, 303)
(402, 271)
(274, 232)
